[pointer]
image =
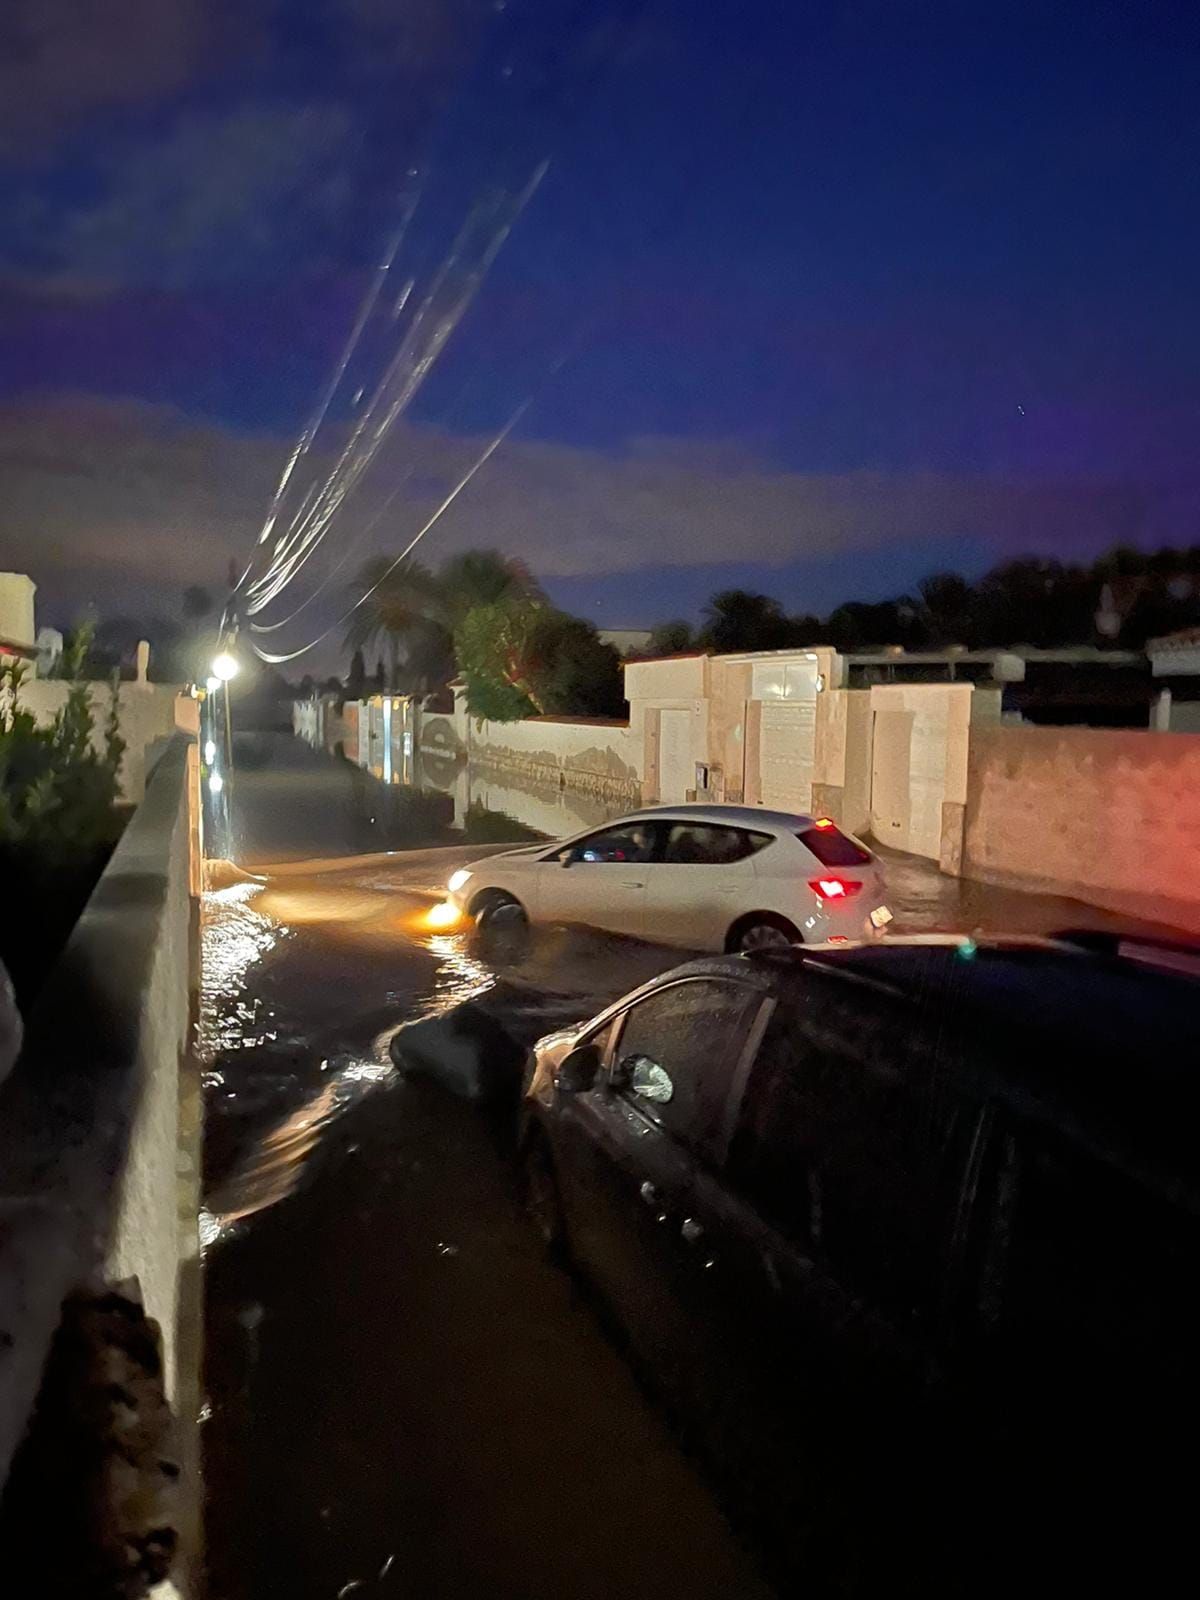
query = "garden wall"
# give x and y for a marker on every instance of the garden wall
(148, 712)
(590, 754)
(1107, 816)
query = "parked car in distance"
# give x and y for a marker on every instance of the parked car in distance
(706, 877)
(906, 1236)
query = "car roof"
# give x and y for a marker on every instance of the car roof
(730, 815)
(1095, 1044)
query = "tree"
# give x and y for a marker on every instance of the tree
(672, 639)
(482, 578)
(522, 658)
(356, 678)
(863, 625)
(197, 603)
(401, 600)
(805, 629)
(574, 672)
(736, 619)
(1034, 601)
(494, 647)
(949, 609)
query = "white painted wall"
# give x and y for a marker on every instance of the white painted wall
(148, 713)
(920, 746)
(17, 622)
(579, 750)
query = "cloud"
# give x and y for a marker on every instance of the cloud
(137, 500)
(222, 196)
(62, 60)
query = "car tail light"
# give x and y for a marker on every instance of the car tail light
(823, 822)
(834, 888)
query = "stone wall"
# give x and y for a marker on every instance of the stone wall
(1110, 817)
(100, 1119)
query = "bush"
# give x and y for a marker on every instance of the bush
(58, 820)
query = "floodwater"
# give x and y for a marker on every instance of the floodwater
(403, 1397)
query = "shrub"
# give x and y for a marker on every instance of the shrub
(58, 820)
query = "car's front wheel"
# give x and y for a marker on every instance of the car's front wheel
(499, 910)
(763, 931)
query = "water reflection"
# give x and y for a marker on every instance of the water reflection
(409, 796)
(278, 1160)
(235, 936)
(460, 976)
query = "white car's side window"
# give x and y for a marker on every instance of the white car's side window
(709, 844)
(630, 842)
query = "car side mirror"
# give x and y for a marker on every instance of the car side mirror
(578, 1069)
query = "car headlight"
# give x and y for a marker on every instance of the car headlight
(458, 880)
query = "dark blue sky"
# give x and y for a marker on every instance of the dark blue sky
(854, 291)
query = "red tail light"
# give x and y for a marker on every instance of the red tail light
(834, 888)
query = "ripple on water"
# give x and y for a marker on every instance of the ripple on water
(234, 938)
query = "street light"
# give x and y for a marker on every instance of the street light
(225, 667)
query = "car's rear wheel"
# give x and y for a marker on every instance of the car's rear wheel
(763, 931)
(539, 1194)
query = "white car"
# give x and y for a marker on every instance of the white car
(707, 877)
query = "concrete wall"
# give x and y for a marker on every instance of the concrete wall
(594, 756)
(17, 622)
(675, 683)
(100, 1120)
(148, 713)
(842, 766)
(1111, 817)
(920, 739)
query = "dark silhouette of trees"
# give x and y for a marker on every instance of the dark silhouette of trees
(673, 639)
(736, 619)
(356, 678)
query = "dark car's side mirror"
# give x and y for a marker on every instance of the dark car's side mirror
(578, 1069)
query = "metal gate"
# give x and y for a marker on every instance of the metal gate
(786, 739)
(676, 769)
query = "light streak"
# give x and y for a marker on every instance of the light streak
(279, 659)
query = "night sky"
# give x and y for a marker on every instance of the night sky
(815, 299)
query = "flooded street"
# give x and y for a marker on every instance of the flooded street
(403, 1396)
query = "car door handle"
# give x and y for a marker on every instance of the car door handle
(691, 1231)
(632, 883)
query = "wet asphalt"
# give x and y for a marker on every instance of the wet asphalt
(403, 1397)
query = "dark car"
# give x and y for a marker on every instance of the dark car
(906, 1238)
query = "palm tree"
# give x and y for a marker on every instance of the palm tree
(482, 578)
(401, 608)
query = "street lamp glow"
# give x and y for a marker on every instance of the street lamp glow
(212, 685)
(225, 667)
